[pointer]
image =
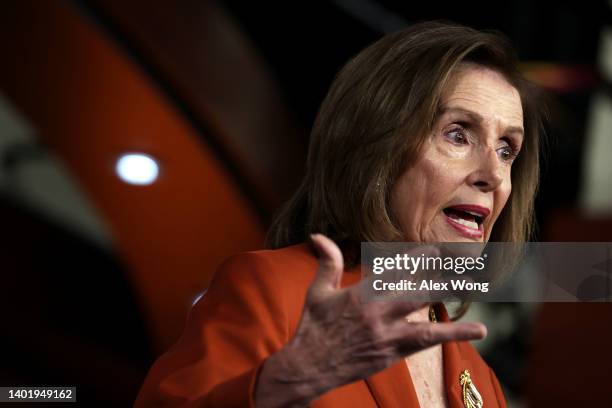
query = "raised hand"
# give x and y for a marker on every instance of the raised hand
(341, 339)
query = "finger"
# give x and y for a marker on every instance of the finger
(331, 263)
(430, 250)
(418, 336)
(396, 309)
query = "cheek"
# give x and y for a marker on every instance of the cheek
(444, 175)
(502, 197)
(426, 188)
(442, 179)
(505, 190)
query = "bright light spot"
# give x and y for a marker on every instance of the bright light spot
(137, 168)
(198, 297)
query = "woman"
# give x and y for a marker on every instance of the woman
(428, 135)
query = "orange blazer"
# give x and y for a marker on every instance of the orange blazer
(251, 309)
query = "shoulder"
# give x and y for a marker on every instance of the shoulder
(292, 268)
(299, 255)
(290, 265)
(278, 278)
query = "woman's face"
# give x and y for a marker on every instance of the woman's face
(460, 183)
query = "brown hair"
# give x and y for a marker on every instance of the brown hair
(358, 145)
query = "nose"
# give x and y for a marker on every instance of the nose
(487, 172)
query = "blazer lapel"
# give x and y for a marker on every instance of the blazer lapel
(454, 365)
(393, 388)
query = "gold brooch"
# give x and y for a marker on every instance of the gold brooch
(471, 396)
(432, 314)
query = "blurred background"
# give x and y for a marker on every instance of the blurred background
(142, 142)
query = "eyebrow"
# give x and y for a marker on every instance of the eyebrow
(475, 117)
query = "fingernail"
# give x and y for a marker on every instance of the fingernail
(479, 331)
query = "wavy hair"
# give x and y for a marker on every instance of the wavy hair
(359, 148)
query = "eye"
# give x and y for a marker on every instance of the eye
(509, 152)
(457, 135)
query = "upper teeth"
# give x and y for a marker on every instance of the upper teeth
(470, 224)
(473, 213)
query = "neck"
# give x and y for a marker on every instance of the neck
(420, 315)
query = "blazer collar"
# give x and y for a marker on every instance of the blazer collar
(393, 387)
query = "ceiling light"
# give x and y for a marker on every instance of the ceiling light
(137, 168)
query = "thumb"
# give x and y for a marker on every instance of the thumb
(331, 263)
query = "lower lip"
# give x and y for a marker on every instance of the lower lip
(463, 230)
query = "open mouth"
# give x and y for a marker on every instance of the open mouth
(467, 219)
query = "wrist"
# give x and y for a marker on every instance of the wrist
(286, 380)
